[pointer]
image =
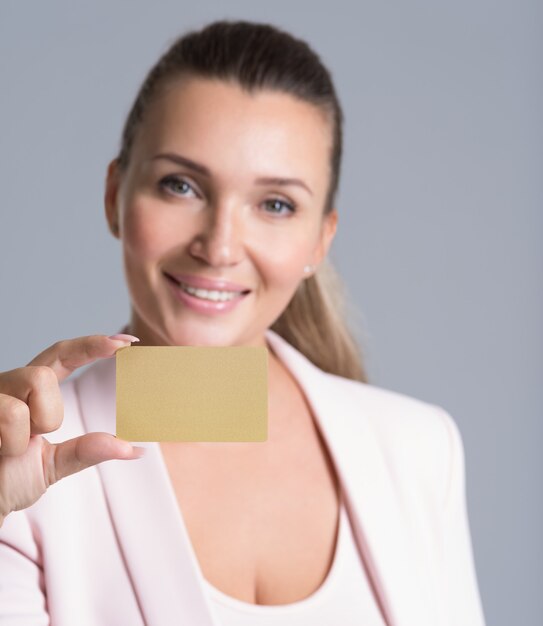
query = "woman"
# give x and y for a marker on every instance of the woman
(353, 511)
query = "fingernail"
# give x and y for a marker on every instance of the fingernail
(123, 337)
(139, 451)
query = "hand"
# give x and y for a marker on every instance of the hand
(31, 404)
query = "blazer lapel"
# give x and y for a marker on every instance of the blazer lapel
(383, 538)
(152, 535)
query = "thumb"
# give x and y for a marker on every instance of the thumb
(71, 456)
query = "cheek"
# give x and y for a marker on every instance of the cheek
(282, 261)
(148, 233)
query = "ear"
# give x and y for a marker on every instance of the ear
(110, 198)
(328, 230)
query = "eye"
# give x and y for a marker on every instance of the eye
(175, 184)
(277, 204)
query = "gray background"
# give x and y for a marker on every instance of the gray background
(439, 237)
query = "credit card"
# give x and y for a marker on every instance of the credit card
(192, 393)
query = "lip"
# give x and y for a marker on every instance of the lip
(198, 304)
(207, 283)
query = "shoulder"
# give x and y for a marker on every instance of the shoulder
(414, 435)
(393, 412)
(417, 438)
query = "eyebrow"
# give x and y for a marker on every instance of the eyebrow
(202, 169)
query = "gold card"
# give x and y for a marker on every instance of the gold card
(192, 393)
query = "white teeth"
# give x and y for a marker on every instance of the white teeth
(215, 296)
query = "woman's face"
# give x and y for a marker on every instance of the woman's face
(198, 200)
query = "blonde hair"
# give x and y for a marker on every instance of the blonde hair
(316, 323)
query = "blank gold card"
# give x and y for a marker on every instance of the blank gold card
(192, 393)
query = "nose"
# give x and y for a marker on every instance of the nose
(220, 241)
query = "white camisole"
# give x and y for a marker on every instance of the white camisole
(345, 596)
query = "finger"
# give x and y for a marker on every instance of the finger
(65, 356)
(74, 455)
(14, 426)
(37, 386)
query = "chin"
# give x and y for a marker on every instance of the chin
(212, 333)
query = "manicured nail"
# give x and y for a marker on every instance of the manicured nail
(139, 451)
(123, 337)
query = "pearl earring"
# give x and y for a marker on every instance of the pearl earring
(308, 268)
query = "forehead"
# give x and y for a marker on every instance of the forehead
(237, 133)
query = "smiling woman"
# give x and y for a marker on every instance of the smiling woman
(223, 184)
(354, 510)
(234, 144)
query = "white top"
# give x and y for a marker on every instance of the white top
(345, 596)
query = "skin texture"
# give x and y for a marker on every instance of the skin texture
(225, 225)
(31, 405)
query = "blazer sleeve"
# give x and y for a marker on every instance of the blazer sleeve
(22, 593)
(459, 582)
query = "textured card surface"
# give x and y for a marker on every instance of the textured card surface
(192, 393)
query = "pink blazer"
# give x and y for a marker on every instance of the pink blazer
(108, 546)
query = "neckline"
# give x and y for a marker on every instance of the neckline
(316, 596)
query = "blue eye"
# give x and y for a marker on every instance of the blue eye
(277, 201)
(171, 182)
(178, 185)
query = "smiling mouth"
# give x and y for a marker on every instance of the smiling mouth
(212, 295)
